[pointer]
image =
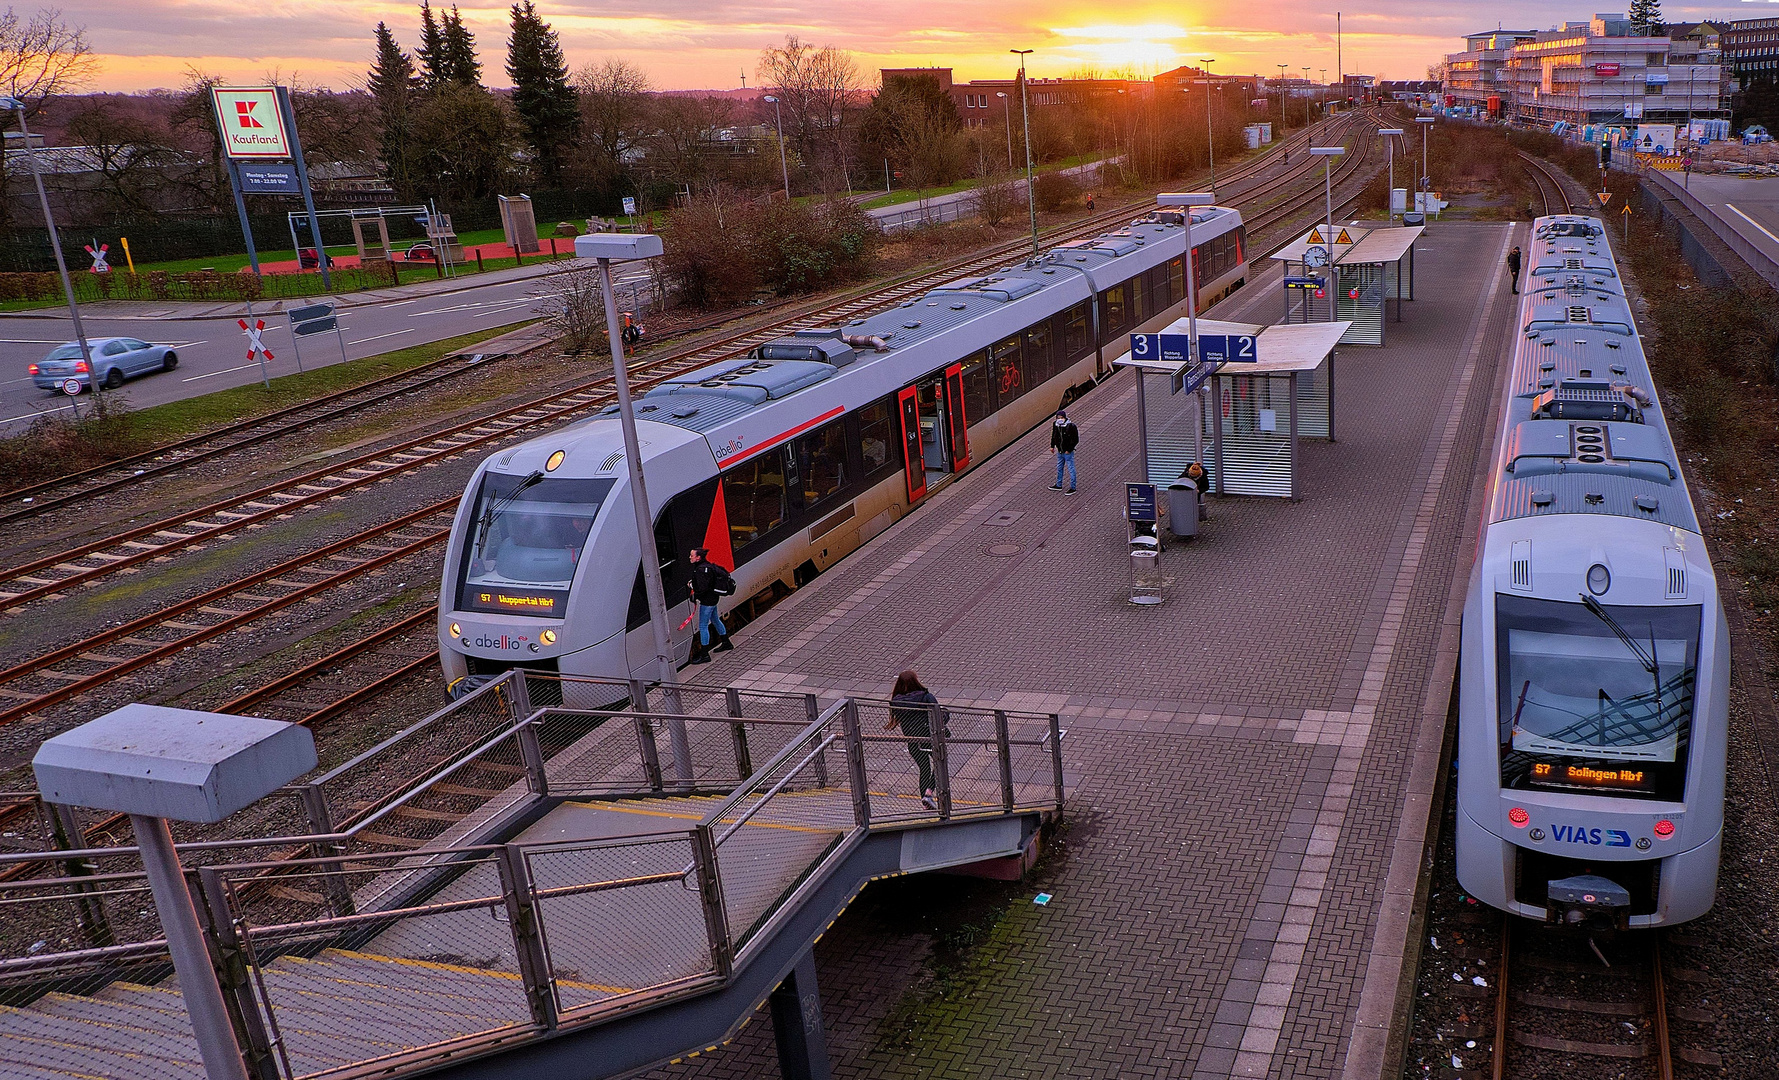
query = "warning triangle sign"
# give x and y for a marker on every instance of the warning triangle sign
(1343, 238)
(1315, 237)
(1605, 197)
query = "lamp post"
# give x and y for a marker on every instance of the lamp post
(783, 162)
(1282, 95)
(1007, 115)
(1210, 132)
(1328, 154)
(1306, 97)
(1025, 113)
(624, 247)
(1426, 183)
(1186, 200)
(55, 244)
(1390, 135)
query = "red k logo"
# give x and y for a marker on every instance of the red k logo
(244, 114)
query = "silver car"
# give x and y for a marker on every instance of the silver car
(115, 359)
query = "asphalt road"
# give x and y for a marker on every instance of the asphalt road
(1749, 204)
(212, 349)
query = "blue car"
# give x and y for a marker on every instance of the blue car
(115, 359)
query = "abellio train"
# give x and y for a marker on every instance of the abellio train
(1593, 704)
(784, 461)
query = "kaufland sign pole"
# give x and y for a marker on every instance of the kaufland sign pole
(296, 146)
(257, 123)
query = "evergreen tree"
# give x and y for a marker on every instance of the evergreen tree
(434, 55)
(392, 86)
(461, 65)
(548, 109)
(1646, 18)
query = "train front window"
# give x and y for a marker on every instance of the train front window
(1595, 698)
(525, 540)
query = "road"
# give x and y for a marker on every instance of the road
(1749, 204)
(212, 347)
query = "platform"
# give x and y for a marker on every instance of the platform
(1258, 752)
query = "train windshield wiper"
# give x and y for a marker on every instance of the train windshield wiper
(499, 507)
(1650, 660)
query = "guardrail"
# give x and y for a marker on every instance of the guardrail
(1762, 263)
(335, 953)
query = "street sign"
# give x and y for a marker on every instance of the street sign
(1315, 236)
(1604, 197)
(313, 311)
(71, 387)
(100, 266)
(254, 344)
(629, 206)
(1627, 209)
(1343, 238)
(269, 180)
(1197, 377)
(1139, 503)
(1163, 347)
(252, 125)
(314, 326)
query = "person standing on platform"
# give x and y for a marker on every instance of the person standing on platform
(1513, 268)
(709, 584)
(915, 718)
(1064, 437)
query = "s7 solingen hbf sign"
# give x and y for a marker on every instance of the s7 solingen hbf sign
(252, 126)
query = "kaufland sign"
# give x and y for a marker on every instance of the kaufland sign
(252, 126)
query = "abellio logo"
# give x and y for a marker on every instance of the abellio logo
(1578, 834)
(501, 642)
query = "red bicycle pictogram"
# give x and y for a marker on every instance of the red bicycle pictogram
(254, 345)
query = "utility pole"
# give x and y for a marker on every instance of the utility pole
(1031, 192)
(1210, 132)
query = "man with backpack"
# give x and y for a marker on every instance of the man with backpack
(709, 584)
(1064, 437)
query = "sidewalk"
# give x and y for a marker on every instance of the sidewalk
(1257, 755)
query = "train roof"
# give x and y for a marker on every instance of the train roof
(1584, 433)
(710, 397)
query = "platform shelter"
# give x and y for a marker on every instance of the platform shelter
(1245, 422)
(1371, 265)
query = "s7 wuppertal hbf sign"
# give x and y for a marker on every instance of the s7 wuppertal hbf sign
(252, 125)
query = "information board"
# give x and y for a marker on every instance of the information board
(1139, 502)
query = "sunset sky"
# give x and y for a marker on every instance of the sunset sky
(707, 44)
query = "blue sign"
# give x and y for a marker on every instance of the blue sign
(1228, 349)
(1303, 283)
(269, 180)
(1197, 377)
(1139, 502)
(1170, 348)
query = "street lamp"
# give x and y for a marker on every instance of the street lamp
(55, 243)
(1210, 133)
(1283, 122)
(1328, 154)
(1426, 183)
(1306, 98)
(1007, 115)
(1390, 135)
(625, 247)
(1025, 113)
(1186, 200)
(783, 163)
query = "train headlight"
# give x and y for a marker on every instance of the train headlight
(1519, 817)
(554, 461)
(456, 631)
(1664, 828)
(548, 637)
(1599, 579)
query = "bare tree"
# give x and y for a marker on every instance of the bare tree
(133, 163)
(193, 120)
(42, 56)
(684, 139)
(614, 104)
(819, 90)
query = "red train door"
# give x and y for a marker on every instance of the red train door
(955, 421)
(908, 406)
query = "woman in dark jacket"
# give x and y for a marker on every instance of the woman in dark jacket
(916, 722)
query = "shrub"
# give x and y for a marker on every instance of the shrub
(720, 254)
(1055, 191)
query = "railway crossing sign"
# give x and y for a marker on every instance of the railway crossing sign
(255, 345)
(100, 266)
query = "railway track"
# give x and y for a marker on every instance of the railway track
(53, 574)
(1550, 184)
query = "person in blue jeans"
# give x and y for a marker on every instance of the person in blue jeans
(708, 585)
(1064, 437)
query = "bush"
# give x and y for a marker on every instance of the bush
(102, 430)
(1055, 191)
(193, 285)
(719, 255)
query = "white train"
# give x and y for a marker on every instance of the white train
(1593, 702)
(784, 461)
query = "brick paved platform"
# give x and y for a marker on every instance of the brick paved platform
(1256, 755)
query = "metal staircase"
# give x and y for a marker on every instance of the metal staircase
(502, 890)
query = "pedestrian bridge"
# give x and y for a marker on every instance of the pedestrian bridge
(507, 889)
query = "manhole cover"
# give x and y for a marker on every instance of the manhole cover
(1002, 551)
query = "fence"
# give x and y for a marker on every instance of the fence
(392, 934)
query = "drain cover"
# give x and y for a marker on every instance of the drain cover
(1002, 551)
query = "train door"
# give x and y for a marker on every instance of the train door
(908, 407)
(957, 423)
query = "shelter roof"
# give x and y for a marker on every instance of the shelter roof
(1283, 348)
(1371, 243)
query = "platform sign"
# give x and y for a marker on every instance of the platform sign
(1165, 347)
(1139, 503)
(1303, 283)
(251, 122)
(1228, 349)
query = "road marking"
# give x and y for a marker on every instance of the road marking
(380, 337)
(1751, 221)
(499, 310)
(401, 303)
(35, 415)
(32, 341)
(224, 371)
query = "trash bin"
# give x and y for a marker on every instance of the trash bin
(1182, 509)
(1145, 577)
(1414, 217)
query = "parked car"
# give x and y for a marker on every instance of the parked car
(115, 359)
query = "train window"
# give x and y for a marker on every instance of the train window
(754, 496)
(1009, 369)
(1077, 333)
(524, 543)
(1114, 312)
(1139, 299)
(1040, 344)
(822, 456)
(1176, 280)
(877, 434)
(978, 393)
